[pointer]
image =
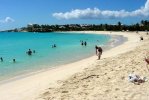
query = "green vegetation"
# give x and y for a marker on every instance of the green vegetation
(142, 26)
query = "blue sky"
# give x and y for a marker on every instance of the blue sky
(19, 13)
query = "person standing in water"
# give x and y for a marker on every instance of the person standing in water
(14, 60)
(85, 43)
(1, 59)
(34, 51)
(82, 43)
(29, 52)
(54, 46)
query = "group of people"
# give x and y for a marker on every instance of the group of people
(29, 52)
(54, 46)
(98, 51)
(83, 43)
(1, 59)
(136, 79)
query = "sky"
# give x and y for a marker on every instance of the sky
(20, 13)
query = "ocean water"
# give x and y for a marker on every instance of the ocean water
(69, 49)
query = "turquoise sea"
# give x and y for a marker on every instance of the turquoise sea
(69, 49)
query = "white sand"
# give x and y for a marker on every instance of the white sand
(32, 86)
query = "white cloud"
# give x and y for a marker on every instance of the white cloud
(7, 20)
(100, 14)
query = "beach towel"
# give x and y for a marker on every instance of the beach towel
(136, 78)
(133, 78)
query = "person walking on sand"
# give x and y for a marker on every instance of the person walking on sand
(98, 52)
(96, 48)
(147, 62)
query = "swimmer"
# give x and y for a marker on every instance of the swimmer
(34, 51)
(85, 43)
(14, 60)
(29, 52)
(1, 59)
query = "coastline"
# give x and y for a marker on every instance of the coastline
(113, 42)
(32, 86)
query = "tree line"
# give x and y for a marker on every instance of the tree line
(142, 26)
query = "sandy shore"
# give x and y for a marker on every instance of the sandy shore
(89, 78)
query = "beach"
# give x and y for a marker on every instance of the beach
(88, 79)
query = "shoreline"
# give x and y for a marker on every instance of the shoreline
(37, 83)
(113, 42)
